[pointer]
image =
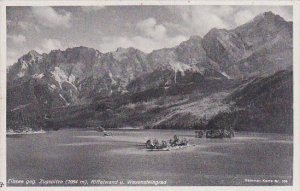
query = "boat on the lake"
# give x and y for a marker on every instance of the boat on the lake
(175, 143)
(219, 133)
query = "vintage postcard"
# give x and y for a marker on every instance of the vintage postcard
(114, 94)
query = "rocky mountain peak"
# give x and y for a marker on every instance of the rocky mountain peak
(191, 42)
(215, 31)
(129, 50)
(30, 56)
(55, 51)
(264, 16)
(271, 16)
(264, 21)
(81, 50)
(34, 53)
(194, 38)
(121, 49)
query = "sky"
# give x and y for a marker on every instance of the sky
(108, 27)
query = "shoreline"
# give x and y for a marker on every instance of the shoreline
(133, 129)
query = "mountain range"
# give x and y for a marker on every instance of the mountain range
(81, 80)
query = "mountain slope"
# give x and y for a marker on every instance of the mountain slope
(76, 77)
(259, 47)
(156, 107)
(262, 104)
(80, 73)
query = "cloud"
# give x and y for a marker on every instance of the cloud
(49, 44)
(46, 45)
(12, 57)
(89, 9)
(151, 29)
(198, 20)
(20, 24)
(142, 43)
(176, 28)
(151, 36)
(48, 17)
(17, 39)
(245, 14)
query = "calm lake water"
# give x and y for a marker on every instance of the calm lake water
(86, 155)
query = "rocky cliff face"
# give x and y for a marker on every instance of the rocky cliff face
(260, 47)
(76, 76)
(80, 73)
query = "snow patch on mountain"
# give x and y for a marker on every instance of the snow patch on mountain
(180, 67)
(23, 69)
(61, 77)
(38, 76)
(66, 102)
(20, 107)
(53, 87)
(113, 81)
(226, 75)
(119, 54)
(21, 74)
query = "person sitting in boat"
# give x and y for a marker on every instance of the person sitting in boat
(176, 140)
(199, 133)
(155, 144)
(149, 144)
(231, 132)
(183, 142)
(164, 144)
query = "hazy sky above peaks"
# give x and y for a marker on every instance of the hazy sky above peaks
(108, 27)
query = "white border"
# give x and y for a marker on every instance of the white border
(296, 59)
(3, 95)
(296, 70)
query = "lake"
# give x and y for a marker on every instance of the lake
(78, 157)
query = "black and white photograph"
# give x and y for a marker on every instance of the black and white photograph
(149, 95)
